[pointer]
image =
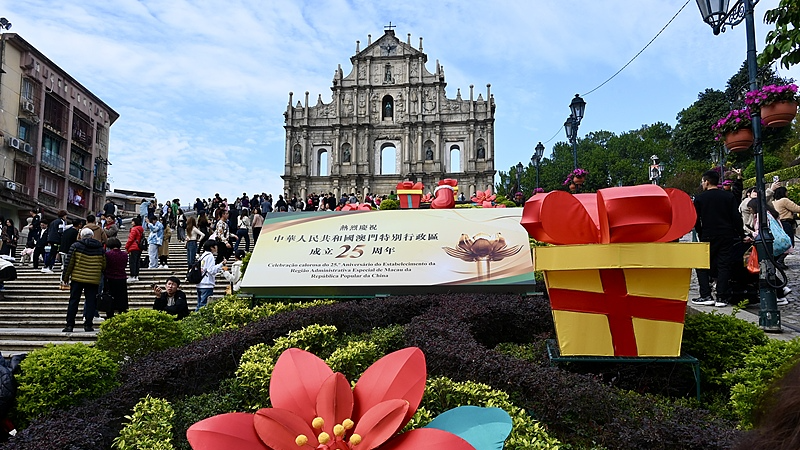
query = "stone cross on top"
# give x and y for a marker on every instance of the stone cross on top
(390, 26)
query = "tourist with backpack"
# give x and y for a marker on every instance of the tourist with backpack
(209, 270)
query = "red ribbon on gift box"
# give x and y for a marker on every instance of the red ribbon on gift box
(643, 213)
(619, 307)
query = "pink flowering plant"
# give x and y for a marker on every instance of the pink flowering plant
(772, 93)
(575, 173)
(734, 121)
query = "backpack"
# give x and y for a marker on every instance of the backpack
(143, 242)
(194, 275)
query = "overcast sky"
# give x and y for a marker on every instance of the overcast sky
(201, 86)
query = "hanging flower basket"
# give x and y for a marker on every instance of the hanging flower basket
(776, 103)
(778, 114)
(739, 140)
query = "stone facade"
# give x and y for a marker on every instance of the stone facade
(389, 108)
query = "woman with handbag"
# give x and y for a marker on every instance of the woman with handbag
(134, 249)
(10, 236)
(114, 297)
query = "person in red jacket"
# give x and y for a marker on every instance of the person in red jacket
(133, 248)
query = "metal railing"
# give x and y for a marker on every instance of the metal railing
(53, 161)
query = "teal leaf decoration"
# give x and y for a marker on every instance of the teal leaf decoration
(483, 428)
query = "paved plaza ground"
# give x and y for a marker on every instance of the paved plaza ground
(790, 314)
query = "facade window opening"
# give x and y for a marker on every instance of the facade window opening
(388, 160)
(322, 163)
(455, 159)
(388, 107)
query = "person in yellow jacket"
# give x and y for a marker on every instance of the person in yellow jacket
(87, 261)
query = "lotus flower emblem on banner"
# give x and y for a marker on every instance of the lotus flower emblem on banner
(482, 249)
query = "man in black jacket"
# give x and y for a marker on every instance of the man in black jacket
(720, 224)
(171, 300)
(53, 239)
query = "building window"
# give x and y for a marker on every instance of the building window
(51, 152)
(26, 132)
(77, 162)
(27, 90)
(48, 185)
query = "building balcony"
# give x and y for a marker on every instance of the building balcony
(79, 173)
(48, 199)
(54, 162)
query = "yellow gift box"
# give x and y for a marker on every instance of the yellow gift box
(626, 299)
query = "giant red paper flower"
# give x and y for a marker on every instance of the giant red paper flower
(314, 408)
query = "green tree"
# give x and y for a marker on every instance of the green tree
(693, 136)
(784, 41)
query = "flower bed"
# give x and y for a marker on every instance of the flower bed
(457, 333)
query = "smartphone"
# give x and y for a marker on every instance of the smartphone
(776, 178)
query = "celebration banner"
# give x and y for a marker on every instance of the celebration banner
(374, 253)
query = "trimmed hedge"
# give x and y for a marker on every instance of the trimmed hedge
(457, 333)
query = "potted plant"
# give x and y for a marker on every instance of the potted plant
(735, 130)
(777, 104)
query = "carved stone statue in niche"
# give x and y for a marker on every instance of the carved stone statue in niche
(387, 76)
(481, 151)
(298, 157)
(428, 153)
(346, 153)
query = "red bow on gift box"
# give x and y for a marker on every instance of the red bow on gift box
(644, 213)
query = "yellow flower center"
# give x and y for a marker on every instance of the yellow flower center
(338, 431)
(318, 423)
(348, 424)
(355, 439)
(301, 440)
(324, 438)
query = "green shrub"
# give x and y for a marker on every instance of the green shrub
(771, 164)
(231, 312)
(149, 428)
(320, 340)
(388, 339)
(720, 342)
(442, 394)
(254, 373)
(528, 352)
(257, 362)
(388, 204)
(139, 332)
(272, 308)
(761, 367)
(198, 325)
(58, 376)
(229, 397)
(354, 358)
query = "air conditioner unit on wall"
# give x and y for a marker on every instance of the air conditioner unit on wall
(10, 185)
(13, 142)
(27, 148)
(28, 107)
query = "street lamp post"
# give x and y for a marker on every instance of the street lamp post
(519, 173)
(718, 16)
(536, 159)
(577, 106)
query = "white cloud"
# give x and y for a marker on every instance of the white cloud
(201, 86)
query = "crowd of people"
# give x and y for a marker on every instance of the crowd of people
(727, 219)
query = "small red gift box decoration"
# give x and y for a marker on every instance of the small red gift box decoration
(409, 194)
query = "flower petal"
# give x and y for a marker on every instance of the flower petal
(335, 401)
(232, 431)
(296, 380)
(278, 429)
(400, 374)
(427, 439)
(380, 422)
(483, 428)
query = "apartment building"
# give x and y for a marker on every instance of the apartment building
(55, 135)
